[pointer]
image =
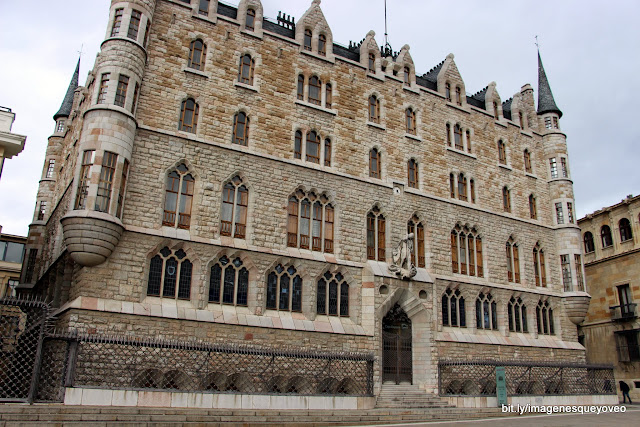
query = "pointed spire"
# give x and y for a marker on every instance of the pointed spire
(546, 103)
(67, 103)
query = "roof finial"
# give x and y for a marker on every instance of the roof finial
(80, 52)
(537, 46)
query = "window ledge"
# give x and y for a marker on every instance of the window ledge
(376, 125)
(412, 136)
(375, 75)
(458, 107)
(318, 56)
(316, 107)
(500, 123)
(245, 86)
(206, 18)
(525, 133)
(196, 72)
(530, 175)
(624, 242)
(254, 34)
(464, 153)
(410, 89)
(507, 167)
(560, 180)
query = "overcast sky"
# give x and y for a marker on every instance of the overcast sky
(590, 50)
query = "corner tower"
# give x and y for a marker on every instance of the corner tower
(568, 236)
(93, 227)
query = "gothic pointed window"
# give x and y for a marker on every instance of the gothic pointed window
(539, 268)
(506, 199)
(533, 210)
(625, 230)
(517, 314)
(245, 73)
(307, 39)
(486, 312)
(374, 109)
(235, 200)
(466, 252)
(328, 99)
(297, 147)
(322, 45)
(453, 309)
(107, 172)
(197, 55)
(472, 190)
(605, 235)
(448, 134)
(315, 90)
(457, 137)
(240, 129)
(452, 186)
(468, 141)
(88, 158)
(588, 243)
(301, 87)
(178, 198)
(412, 172)
(513, 261)
(332, 295)
(313, 147)
(284, 289)
(415, 227)
(544, 318)
(327, 152)
(310, 222)
(502, 153)
(250, 20)
(411, 121)
(170, 275)
(376, 235)
(374, 163)
(462, 187)
(189, 116)
(527, 161)
(229, 282)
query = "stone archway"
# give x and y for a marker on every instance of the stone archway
(397, 355)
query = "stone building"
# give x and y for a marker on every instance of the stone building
(231, 178)
(612, 265)
(11, 144)
(11, 254)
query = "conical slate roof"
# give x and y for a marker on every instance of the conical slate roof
(67, 103)
(546, 103)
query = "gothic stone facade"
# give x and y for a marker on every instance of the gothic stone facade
(194, 109)
(612, 264)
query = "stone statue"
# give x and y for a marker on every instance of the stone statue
(401, 259)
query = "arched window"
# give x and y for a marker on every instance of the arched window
(178, 198)
(328, 99)
(407, 76)
(625, 230)
(458, 95)
(533, 210)
(544, 318)
(539, 268)
(372, 62)
(502, 153)
(310, 222)
(462, 187)
(297, 148)
(240, 129)
(453, 313)
(313, 147)
(415, 227)
(315, 90)
(411, 121)
(301, 87)
(327, 152)
(197, 55)
(457, 137)
(333, 295)
(448, 134)
(374, 163)
(284, 289)
(506, 199)
(466, 252)
(376, 235)
(322, 45)
(229, 282)
(513, 261)
(472, 190)
(307, 39)
(527, 161)
(588, 243)
(447, 91)
(468, 141)
(452, 186)
(189, 116)
(517, 313)
(235, 200)
(170, 274)
(605, 235)
(412, 172)
(245, 73)
(374, 109)
(495, 111)
(249, 23)
(486, 312)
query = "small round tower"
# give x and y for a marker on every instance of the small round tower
(93, 227)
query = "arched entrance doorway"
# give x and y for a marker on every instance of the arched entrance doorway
(397, 366)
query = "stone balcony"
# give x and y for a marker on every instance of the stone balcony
(576, 304)
(90, 237)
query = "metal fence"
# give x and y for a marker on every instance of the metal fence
(478, 378)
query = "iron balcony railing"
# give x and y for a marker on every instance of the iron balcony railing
(623, 312)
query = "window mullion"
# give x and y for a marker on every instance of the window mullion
(278, 293)
(235, 284)
(299, 216)
(162, 277)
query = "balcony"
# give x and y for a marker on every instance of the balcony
(623, 312)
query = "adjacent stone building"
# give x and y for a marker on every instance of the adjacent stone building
(236, 179)
(11, 144)
(612, 264)
(11, 254)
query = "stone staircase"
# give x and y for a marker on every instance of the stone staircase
(408, 396)
(59, 415)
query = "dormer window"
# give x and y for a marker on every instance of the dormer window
(407, 76)
(250, 20)
(60, 125)
(521, 120)
(372, 63)
(495, 110)
(307, 40)
(322, 45)
(547, 122)
(203, 9)
(458, 95)
(447, 91)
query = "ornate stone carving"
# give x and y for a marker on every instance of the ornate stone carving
(401, 259)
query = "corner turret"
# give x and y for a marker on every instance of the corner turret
(67, 103)
(547, 108)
